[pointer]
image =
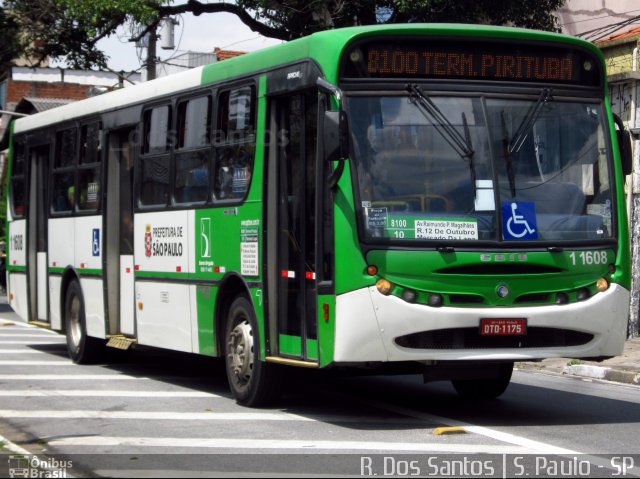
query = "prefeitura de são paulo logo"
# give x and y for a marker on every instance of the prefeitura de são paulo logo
(147, 241)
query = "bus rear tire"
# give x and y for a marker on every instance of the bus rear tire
(82, 349)
(489, 388)
(254, 383)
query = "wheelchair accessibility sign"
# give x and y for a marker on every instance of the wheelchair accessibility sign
(519, 220)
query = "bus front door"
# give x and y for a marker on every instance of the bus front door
(292, 201)
(119, 233)
(37, 235)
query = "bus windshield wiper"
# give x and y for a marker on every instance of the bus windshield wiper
(506, 154)
(461, 144)
(529, 120)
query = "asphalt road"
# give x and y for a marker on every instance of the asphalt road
(155, 413)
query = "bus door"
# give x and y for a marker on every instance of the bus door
(37, 234)
(118, 224)
(292, 200)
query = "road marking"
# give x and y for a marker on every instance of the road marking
(18, 362)
(86, 393)
(535, 446)
(10, 446)
(4, 336)
(20, 351)
(65, 377)
(165, 415)
(309, 445)
(32, 342)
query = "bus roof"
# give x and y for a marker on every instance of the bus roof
(324, 47)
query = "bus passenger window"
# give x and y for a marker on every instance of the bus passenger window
(17, 191)
(154, 162)
(193, 151)
(89, 169)
(235, 141)
(63, 192)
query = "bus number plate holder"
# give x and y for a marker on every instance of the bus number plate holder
(503, 327)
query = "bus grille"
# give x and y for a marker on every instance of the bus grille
(469, 338)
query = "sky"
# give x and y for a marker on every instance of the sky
(198, 34)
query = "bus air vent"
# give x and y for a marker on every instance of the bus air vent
(499, 269)
(469, 338)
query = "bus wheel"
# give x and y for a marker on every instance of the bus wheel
(82, 349)
(489, 388)
(253, 382)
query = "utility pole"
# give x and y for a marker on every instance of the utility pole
(151, 55)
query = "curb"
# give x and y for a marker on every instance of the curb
(600, 372)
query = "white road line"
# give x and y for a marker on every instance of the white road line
(87, 393)
(10, 446)
(67, 377)
(33, 342)
(20, 351)
(535, 446)
(18, 362)
(164, 416)
(309, 445)
(22, 335)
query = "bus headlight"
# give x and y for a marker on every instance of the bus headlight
(602, 285)
(384, 286)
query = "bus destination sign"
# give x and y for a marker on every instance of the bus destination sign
(471, 61)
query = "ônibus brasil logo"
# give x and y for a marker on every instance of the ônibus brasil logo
(147, 241)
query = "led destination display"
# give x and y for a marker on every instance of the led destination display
(472, 61)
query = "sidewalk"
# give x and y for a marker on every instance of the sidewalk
(622, 369)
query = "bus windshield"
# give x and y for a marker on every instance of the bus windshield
(456, 168)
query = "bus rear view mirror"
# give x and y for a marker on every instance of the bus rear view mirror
(624, 142)
(335, 138)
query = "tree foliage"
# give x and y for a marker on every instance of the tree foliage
(70, 29)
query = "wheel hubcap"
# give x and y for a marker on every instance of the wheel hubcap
(241, 352)
(75, 329)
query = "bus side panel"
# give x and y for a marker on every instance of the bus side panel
(60, 257)
(18, 294)
(55, 303)
(61, 245)
(88, 263)
(162, 268)
(17, 278)
(164, 315)
(93, 306)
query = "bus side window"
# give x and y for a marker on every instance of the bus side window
(89, 168)
(17, 189)
(235, 143)
(193, 151)
(64, 192)
(154, 161)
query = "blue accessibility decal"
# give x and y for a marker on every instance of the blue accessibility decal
(95, 242)
(519, 220)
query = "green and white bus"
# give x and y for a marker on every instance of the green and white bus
(436, 198)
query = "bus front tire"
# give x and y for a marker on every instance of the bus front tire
(254, 383)
(82, 349)
(489, 388)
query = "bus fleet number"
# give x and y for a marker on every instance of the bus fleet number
(589, 257)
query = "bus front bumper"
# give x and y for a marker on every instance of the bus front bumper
(369, 323)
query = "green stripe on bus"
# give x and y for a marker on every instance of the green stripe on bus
(312, 349)
(291, 345)
(160, 274)
(205, 304)
(16, 268)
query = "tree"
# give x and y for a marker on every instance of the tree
(72, 28)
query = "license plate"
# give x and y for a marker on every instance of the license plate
(503, 327)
